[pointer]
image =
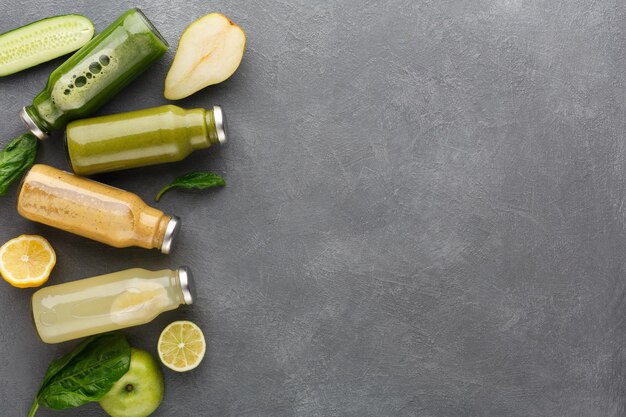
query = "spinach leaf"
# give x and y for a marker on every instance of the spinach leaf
(194, 180)
(85, 374)
(15, 158)
(58, 364)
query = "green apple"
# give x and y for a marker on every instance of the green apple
(139, 391)
(209, 51)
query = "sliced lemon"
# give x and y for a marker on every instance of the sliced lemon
(27, 261)
(139, 303)
(181, 346)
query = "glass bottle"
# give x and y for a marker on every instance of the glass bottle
(108, 302)
(143, 137)
(93, 210)
(95, 73)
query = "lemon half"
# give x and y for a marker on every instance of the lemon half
(27, 261)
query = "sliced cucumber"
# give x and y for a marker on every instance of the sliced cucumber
(42, 41)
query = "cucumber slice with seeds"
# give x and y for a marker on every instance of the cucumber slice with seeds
(42, 41)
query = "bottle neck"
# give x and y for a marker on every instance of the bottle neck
(150, 227)
(33, 122)
(185, 285)
(199, 128)
(209, 123)
(161, 229)
(174, 289)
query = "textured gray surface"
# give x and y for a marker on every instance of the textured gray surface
(424, 215)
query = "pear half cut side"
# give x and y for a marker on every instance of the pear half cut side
(209, 52)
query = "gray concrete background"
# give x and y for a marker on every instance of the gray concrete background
(425, 212)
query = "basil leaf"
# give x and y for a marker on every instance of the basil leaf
(194, 180)
(85, 374)
(16, 158)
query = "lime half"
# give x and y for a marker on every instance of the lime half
(181, 346)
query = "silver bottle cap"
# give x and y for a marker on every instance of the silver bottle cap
(220, 124)
(170, 233)
(30, 125)
(187, 285)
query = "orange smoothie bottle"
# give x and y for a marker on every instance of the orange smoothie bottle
(93, 210)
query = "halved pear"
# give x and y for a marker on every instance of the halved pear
(210, 50)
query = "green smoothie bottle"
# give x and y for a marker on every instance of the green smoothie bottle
(139, 138)
(95, 73)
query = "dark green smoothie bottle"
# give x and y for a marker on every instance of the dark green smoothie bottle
(143, 137)
(95, 73)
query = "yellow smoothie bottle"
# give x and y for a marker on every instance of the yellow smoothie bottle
(108, 302)
(93, 210)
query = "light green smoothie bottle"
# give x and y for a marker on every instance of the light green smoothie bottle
(139, 138)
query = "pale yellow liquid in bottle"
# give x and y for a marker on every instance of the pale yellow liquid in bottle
(104, 303)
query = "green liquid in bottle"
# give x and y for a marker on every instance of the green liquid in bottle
(143, 137)
(95, 73)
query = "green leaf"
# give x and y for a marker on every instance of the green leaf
(58, 364)
(85, 374)
(194, 180)
(16, 158)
